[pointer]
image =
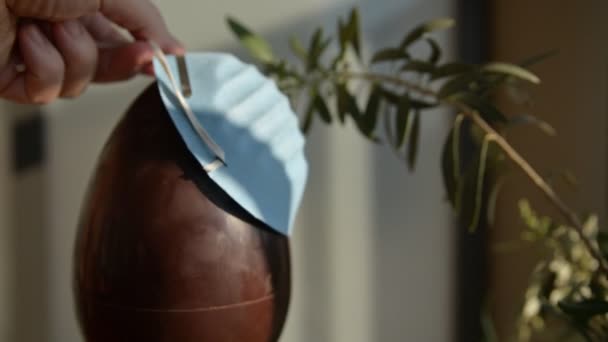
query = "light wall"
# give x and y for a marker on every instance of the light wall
(373, 246)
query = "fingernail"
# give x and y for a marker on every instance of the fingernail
(73, 28)
(19, 68)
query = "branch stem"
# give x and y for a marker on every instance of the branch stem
(569, 215)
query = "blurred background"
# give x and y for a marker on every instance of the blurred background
(377, 255)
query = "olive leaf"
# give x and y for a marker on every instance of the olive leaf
(430, 26)
(298, 49)
(584, 309)
(602, 240)
(257, 46)
(450, 166)
(419, 66)
(367, 123)
(321, 107)
(309, 116)
(317, 47)
(511, 70)
(350, 33)
(460, 83)
(451, 69)
(390, 55)
(402, 120)
(485, 108)
(538, 58)
(478, 190)
(435, 51)
(346, 104)
(412, 149)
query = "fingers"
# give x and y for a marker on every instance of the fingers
(123, 62)
(103, 31)
(43, 79)
(143, 20)
(8, 29)
(79, 53)
(140, 17)
(53, 10)
(119, 57)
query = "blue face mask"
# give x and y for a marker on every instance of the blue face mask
(242, 131)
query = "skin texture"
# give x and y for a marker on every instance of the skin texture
(56, 48)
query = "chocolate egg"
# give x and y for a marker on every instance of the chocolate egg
(164, 254)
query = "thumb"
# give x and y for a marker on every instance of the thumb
(52, 10)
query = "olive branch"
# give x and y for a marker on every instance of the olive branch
(386, 95)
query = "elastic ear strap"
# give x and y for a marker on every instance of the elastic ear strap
(213, 146)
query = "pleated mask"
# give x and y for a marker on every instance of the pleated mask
(241, 129)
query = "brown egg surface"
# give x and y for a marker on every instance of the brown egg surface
(163, 254)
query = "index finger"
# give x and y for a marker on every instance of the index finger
(143, 20)
(140, 17)
(53, 10)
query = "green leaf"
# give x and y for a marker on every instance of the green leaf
(532, 120)
(585, 309)
(419, 66)
(316, 49)
(308, 117)
(538, 226)
(451, 69)
(402, 120)
(475, 217)
(370, 118)
(321, 107)
(257, 46)
(298, 49)
(451, 162)
(460, 83)
(485, 108)
(393, 98)
(390, 135)
(448, 167)
(342, 100)
(602, 240)
(420, 105)
(430, 26)
(281, 70)
(390, 96)
(412, 151)
(354, 30)
(346, 104)
(435, 51)
(350, 33)
(390, 55)
(511, 70)
(528, 62)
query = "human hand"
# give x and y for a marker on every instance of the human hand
(56, 48)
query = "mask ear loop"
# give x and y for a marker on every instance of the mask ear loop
(202, 133)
